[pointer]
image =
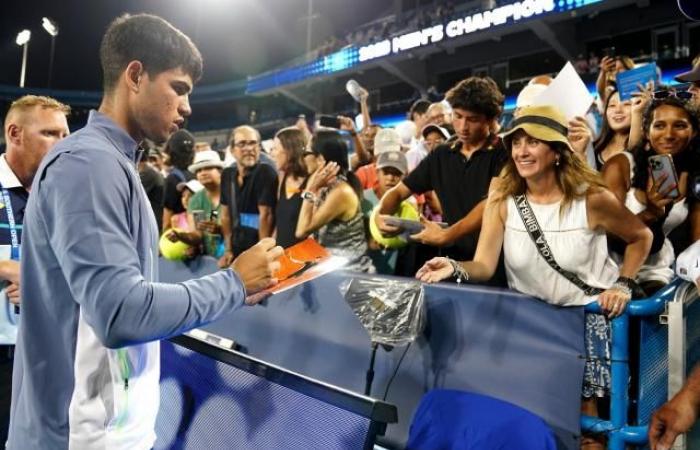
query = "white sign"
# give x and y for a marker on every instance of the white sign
(459, 27)
(568, 93)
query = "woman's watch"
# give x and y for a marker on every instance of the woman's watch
(309, 196)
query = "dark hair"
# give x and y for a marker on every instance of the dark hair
(606, 133)
(643, 150)
(154, 42)
(180, 147)
(420, 106)
(294, 142)
(330, 145)
(478, 95)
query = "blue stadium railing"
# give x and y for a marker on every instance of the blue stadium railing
(618, 429)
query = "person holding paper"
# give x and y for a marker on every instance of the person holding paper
(547, 201)
(610, 66)
(459, 171)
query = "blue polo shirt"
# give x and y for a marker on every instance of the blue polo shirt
(10, 189)
(87, 362)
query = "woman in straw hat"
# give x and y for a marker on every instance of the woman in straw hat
(547, 195)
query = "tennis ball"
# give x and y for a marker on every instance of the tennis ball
(406, 211)
(174, 251)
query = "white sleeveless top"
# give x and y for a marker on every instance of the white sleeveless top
(575, 247)
(657, 266)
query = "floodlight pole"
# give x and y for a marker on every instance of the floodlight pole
(22, 74)
(53, 48)
(309, 26)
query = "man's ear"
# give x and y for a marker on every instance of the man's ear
(14, 134)
(133, 73)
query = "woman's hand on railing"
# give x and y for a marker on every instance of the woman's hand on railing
(613, 301)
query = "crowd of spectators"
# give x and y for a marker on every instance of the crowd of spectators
(472, 190)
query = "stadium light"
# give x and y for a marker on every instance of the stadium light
(51, 27)
(23, 40)
(23, 37)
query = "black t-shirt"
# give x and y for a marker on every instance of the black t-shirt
(171, 198)
(154, 185)
(259, 189)
(459, 183)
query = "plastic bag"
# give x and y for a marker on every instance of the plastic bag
(392, 311)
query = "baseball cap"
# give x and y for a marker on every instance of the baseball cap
(193, 185)
(180, 140)
(387, 139)
(393, 158)
(432, 127)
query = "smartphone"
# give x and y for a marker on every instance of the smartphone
(663, 165)
(609, 51)
(327, 121)
(198, 215)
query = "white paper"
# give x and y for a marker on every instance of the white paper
(568, 93)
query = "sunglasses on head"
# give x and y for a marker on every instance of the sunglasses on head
(680, 93)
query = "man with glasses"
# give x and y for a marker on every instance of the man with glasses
(248, 195)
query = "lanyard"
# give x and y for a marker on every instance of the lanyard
(14, 255)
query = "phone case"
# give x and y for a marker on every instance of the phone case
(660, 165)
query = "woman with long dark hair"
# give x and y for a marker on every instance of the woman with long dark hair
(288, 152)
(331, 206)
(670, 125)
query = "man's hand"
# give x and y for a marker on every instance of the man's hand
(672, 419)
(9, 270)
(257, 267)
(12, 292)
(432, 234)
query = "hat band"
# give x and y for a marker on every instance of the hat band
(539, 120)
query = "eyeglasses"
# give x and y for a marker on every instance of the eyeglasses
(244, 144)
(680, 93)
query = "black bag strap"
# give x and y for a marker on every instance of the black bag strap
(537, 236)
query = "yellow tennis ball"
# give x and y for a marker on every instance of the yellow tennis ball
(174, 251)
(406, 211)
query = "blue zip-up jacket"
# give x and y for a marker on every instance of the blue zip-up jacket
(87, 359)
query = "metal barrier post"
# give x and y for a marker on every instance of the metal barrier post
(617, 429)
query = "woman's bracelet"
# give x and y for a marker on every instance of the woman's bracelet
(458, 271)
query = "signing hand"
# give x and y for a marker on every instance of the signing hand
(435, 270)
(257, 267)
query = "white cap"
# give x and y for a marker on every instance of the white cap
(387, 139)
